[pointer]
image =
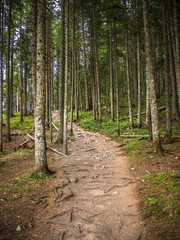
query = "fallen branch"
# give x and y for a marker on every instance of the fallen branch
(55, 127)
(52, 149)
(134, 136)
(134, 115)
(88, 150)
(144, 136)
(24, 143)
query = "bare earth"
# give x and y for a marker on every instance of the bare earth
(104, 204)
(91, 196)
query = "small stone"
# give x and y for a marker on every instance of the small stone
(95, 176)
(176, 157)
(3, 199)
(132, 169)
(19, 228)
(115, 193)
(30, 225)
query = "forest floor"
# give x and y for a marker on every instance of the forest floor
(94, 193)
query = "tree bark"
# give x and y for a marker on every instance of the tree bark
(150, 74)
(48, 22)
(21, 72)
(84, 67)
(25, 75)
(73, 70)
(97, 72)
(128, 85)
(116, 78)
(34, 49)
(175, 112)
(12, 72)
(8, 75)
(166, 78)
(65, 150)
(111, 70)
(139, 83)
(177, 42)
(61, 79)
(40, 138)
(1, 79)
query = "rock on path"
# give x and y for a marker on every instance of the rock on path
(105, 202)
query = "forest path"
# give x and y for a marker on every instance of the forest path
(105, 202)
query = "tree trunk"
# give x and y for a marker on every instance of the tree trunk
(139, 84)
(65, 150)
(116, 78)
(48, 22)
(72, 98)
(84, 67)
(177, 42)
(111, 70)
(97, 72)
(25, 75)
(73, 70)
(134, 54)
(34, 48)
(128, 86)
(61, 80)
(166, 78)
(12, 72)
(148, 107)
(175, 112)
(7, 75)
(21, 72)
(150, 74)
(1, 79)
(40, 138)
(76, 86)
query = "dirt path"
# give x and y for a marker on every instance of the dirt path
(99, 200)
(104, 204)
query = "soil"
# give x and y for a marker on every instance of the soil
(93, 194)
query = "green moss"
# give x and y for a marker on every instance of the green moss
(162, 194)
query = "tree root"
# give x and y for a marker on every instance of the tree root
(67, 196)
(59, 214)
(118, 186)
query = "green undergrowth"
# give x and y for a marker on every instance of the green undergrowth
(16, 124)
(23, 153)
(161, 194)
(135, 147)
(19, 186)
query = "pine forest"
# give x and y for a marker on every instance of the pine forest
(90, 119)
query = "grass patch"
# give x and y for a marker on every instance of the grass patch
(162, 194)
(27, 124)
(134, 147)
(19, 186)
